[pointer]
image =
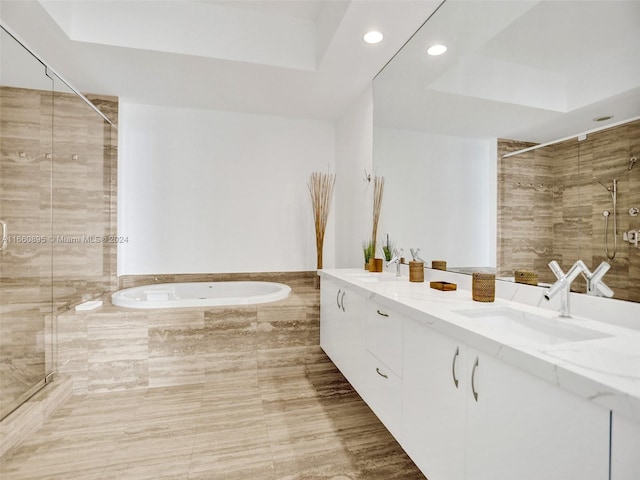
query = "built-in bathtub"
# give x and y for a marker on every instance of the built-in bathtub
(200, 294)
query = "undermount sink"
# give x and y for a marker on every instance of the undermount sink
(530, 327)
(372, 277)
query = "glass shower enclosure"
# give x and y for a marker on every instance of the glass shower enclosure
(57, 213)
(26, 147)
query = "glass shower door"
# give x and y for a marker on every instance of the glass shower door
(26, 109)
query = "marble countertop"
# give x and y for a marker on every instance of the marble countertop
(604, 370)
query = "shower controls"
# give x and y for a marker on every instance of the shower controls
(632, 236)
(633, 211)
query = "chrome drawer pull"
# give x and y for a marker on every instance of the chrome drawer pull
(382, 314)
(342, 301)
(380, 373)
(473, 380)
(338, 298)
(453, 366)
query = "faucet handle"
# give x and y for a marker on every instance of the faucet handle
(416, 257)
(555, 268)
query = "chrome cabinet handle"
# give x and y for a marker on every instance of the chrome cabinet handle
(473, 380)
(380, 373)
(5, 240)
(453, 366)
(338, 298)
(382, 313)
(342, 300)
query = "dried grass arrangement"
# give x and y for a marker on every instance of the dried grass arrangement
(378, 191)
(321, 190)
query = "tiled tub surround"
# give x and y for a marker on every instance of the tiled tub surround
(216, 393)
(115, 348)
(550, 206)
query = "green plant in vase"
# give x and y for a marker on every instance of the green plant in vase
(368, 250)
(387, 249)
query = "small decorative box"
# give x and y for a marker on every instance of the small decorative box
(445, 286)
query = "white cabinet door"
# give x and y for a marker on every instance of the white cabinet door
(521, 427)
(625, 448)
(342, 335)
(433, 402)
(330, 313)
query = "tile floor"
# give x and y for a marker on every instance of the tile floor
(256, 418)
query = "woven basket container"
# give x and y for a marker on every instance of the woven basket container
(439, 264)
(526, 276)
(416, 271)
(483, 287)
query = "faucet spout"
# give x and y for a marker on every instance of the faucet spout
(397, 255)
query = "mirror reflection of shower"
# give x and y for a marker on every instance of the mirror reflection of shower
(613, 191)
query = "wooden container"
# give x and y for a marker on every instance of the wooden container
(439, 264)
(375, 265)
(483, 287)
(444, 286)
(416, 271)
(526, 276)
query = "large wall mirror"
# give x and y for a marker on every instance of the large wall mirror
(520, 143)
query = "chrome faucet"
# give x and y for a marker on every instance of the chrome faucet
(595, 285)
(397, 255)
(563, 285)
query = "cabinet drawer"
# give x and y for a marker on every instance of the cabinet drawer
(383, 394)
(384, 335)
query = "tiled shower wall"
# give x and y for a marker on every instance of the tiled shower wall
(115, 348)
(550, 206)
(57, 149)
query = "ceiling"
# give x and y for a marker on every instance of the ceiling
(302, 58)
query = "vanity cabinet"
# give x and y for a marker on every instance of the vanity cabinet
(460, 413)
(625, 448)
(342, 334)
(467, 415)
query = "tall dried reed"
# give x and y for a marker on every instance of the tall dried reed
(321, 190)
(378, 191)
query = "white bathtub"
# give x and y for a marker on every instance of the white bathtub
(200, 294)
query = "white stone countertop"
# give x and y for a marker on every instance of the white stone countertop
(604, 370)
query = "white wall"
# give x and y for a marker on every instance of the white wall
(440, 195)
(204, 191)
(354, 216)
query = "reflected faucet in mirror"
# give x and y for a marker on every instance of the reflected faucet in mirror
(595, 285)
(415, 255)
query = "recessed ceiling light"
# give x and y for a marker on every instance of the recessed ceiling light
(603, 118)
(373, 37)
(437, 49)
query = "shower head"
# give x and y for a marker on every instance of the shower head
(612, 188)
(608, 189)
(632, 162)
